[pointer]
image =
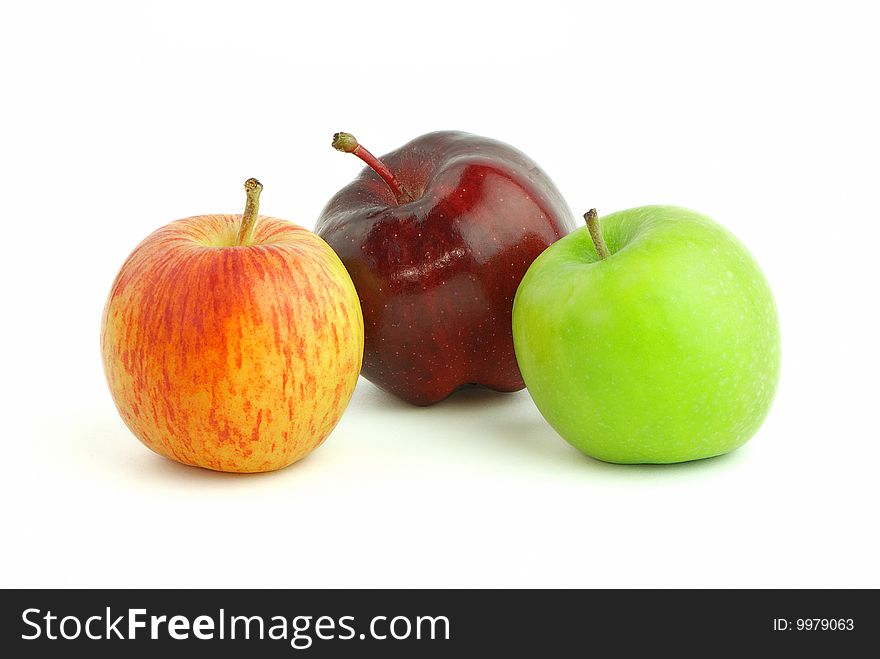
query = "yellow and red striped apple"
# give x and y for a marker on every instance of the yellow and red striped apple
(232, 342)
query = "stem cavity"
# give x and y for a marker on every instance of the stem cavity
(347, 143)
(592, 219)
(252, 188)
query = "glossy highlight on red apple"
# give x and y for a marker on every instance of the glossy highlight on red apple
(437, 236)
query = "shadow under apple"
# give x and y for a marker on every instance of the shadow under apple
(512, 425)
(109, 446)
(475, 424)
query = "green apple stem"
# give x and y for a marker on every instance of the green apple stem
(252, 188)
(347, 143)
(592, 219)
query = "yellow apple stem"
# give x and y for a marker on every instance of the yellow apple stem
(252, 188)
(592, 219)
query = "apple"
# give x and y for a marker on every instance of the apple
(437, 236)
(651, 337)
(232, 342)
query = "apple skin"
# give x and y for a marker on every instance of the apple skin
(666, 351)
(437, 276)
(234, 358)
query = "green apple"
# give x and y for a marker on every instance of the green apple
(649, 336)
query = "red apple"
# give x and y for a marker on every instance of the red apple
(232, 342)
(437, 236)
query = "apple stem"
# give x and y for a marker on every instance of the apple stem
(252, 188)
(347, 143)
(592, 219)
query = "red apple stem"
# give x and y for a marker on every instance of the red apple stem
(252, 188)
(347, 143)
(592, 218)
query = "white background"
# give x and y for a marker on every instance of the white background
(120, 117)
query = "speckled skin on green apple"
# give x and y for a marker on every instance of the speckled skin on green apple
(668, 350)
